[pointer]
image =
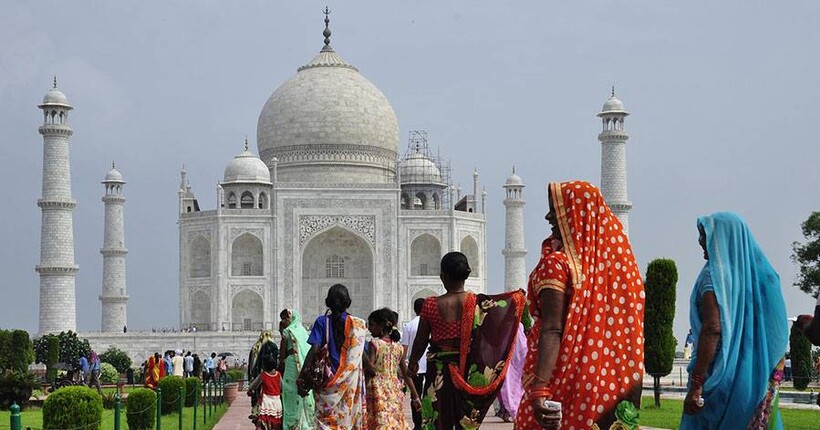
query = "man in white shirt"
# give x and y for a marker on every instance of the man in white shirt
(408, 335)
(189, 364)
(178, 362)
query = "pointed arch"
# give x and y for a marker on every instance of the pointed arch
(425, 255)
(200, 316)
(247, 256)
(337, 255)
(232, 200)
(263, 200)
(469, 247)
(246, 200)
(247, 311)
(199, 258)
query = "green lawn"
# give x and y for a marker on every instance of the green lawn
(33, 417)
(668, 416)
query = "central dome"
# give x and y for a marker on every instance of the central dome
(329, 124)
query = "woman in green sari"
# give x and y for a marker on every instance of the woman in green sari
(298, 411)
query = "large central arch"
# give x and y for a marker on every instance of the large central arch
(337, 256)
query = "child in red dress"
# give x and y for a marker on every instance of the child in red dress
(270, 384)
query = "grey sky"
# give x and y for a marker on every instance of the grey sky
(723, 98)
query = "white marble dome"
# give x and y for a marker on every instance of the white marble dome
(613, 104)
(114, 175)
(328, 123)
(55, 97)
(418, 169)
(514, 180)
(246, 167)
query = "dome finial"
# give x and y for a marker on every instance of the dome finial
(246, 142)
(613, 91)
(326, 33)
(55, 81)
(513, 169)
(112, 165)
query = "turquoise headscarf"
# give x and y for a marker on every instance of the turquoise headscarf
(298, 335)
(754, 330)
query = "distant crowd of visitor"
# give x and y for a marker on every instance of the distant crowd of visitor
(187, 364)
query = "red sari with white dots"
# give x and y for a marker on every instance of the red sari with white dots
(600, 362)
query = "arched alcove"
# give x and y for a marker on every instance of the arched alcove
(425, 256)
(200, 310)
(469, 247)
(199, 258)
(246, 201)
(263, 201)
(246, 311)
(231, 200)
(337, 256)
(247, 256)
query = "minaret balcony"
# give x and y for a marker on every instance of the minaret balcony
(113, 252)
(113, 198)
(620, 206)
(113, 299)
(65, 204)
(56, 270)
(56, 129)
(613, 135)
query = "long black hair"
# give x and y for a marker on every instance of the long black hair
(337, 301)
(269, 356)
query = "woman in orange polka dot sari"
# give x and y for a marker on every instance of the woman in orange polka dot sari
(585, 349)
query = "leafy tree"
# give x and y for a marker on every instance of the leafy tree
(807, 256)
(660, 343)
(800, 352)
(21, 351)
(65, 347)
(117, 358)
(47, 351)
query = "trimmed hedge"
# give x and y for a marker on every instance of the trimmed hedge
(171, 399)
(108, 374)
(71, 408)
(141, 409)
(192, 387)
(235, 375)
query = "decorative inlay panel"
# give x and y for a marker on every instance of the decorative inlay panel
(362, 224)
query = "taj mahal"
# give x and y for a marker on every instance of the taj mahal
(332, 194)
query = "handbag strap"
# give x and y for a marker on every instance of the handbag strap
(327, 331)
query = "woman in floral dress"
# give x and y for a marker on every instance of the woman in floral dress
(387, 373)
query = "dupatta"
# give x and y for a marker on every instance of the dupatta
(754, 329)
(340, 404)
(298, 336)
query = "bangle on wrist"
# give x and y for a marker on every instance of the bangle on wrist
(541, 392)
(540, 379)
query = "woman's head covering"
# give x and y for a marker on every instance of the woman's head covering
(754, 329)
(601, 358)
(298, 336)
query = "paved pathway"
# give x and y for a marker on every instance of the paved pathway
(236, 418)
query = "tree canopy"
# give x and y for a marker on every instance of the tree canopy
(807, 256)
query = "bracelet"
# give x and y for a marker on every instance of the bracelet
(697, 381)
(540, 379)
(542, 392)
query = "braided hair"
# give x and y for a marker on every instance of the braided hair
(337, 301)
(389, 319)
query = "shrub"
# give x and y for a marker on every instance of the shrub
(192, 387)
(171, 399)
(235, 375)
(16, 387)
(660, 343)
(800, 351)
(108, 374)
(108, 399)
(141, 409)
(16, 350)
(47, 351)
(117, 357)
(72, 408)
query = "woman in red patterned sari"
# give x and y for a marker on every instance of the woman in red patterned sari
(586, 294)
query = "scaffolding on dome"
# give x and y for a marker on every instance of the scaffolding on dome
(418, 144)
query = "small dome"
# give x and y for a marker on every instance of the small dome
(114, 175)
(417, 168)
(514, 180)
(613, 104)
(246, 167)
(55, 97)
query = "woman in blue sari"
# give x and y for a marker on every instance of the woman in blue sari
(738, 319)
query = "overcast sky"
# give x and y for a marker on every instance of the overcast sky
(723, 95)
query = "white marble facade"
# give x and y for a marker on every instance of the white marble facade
(327, 203)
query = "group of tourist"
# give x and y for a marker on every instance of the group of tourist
(184, 364)
(567, 353)
(89, 369)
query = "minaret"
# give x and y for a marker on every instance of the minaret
(57, 269)
(114, 298)
(515, 271)
(613, 139)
